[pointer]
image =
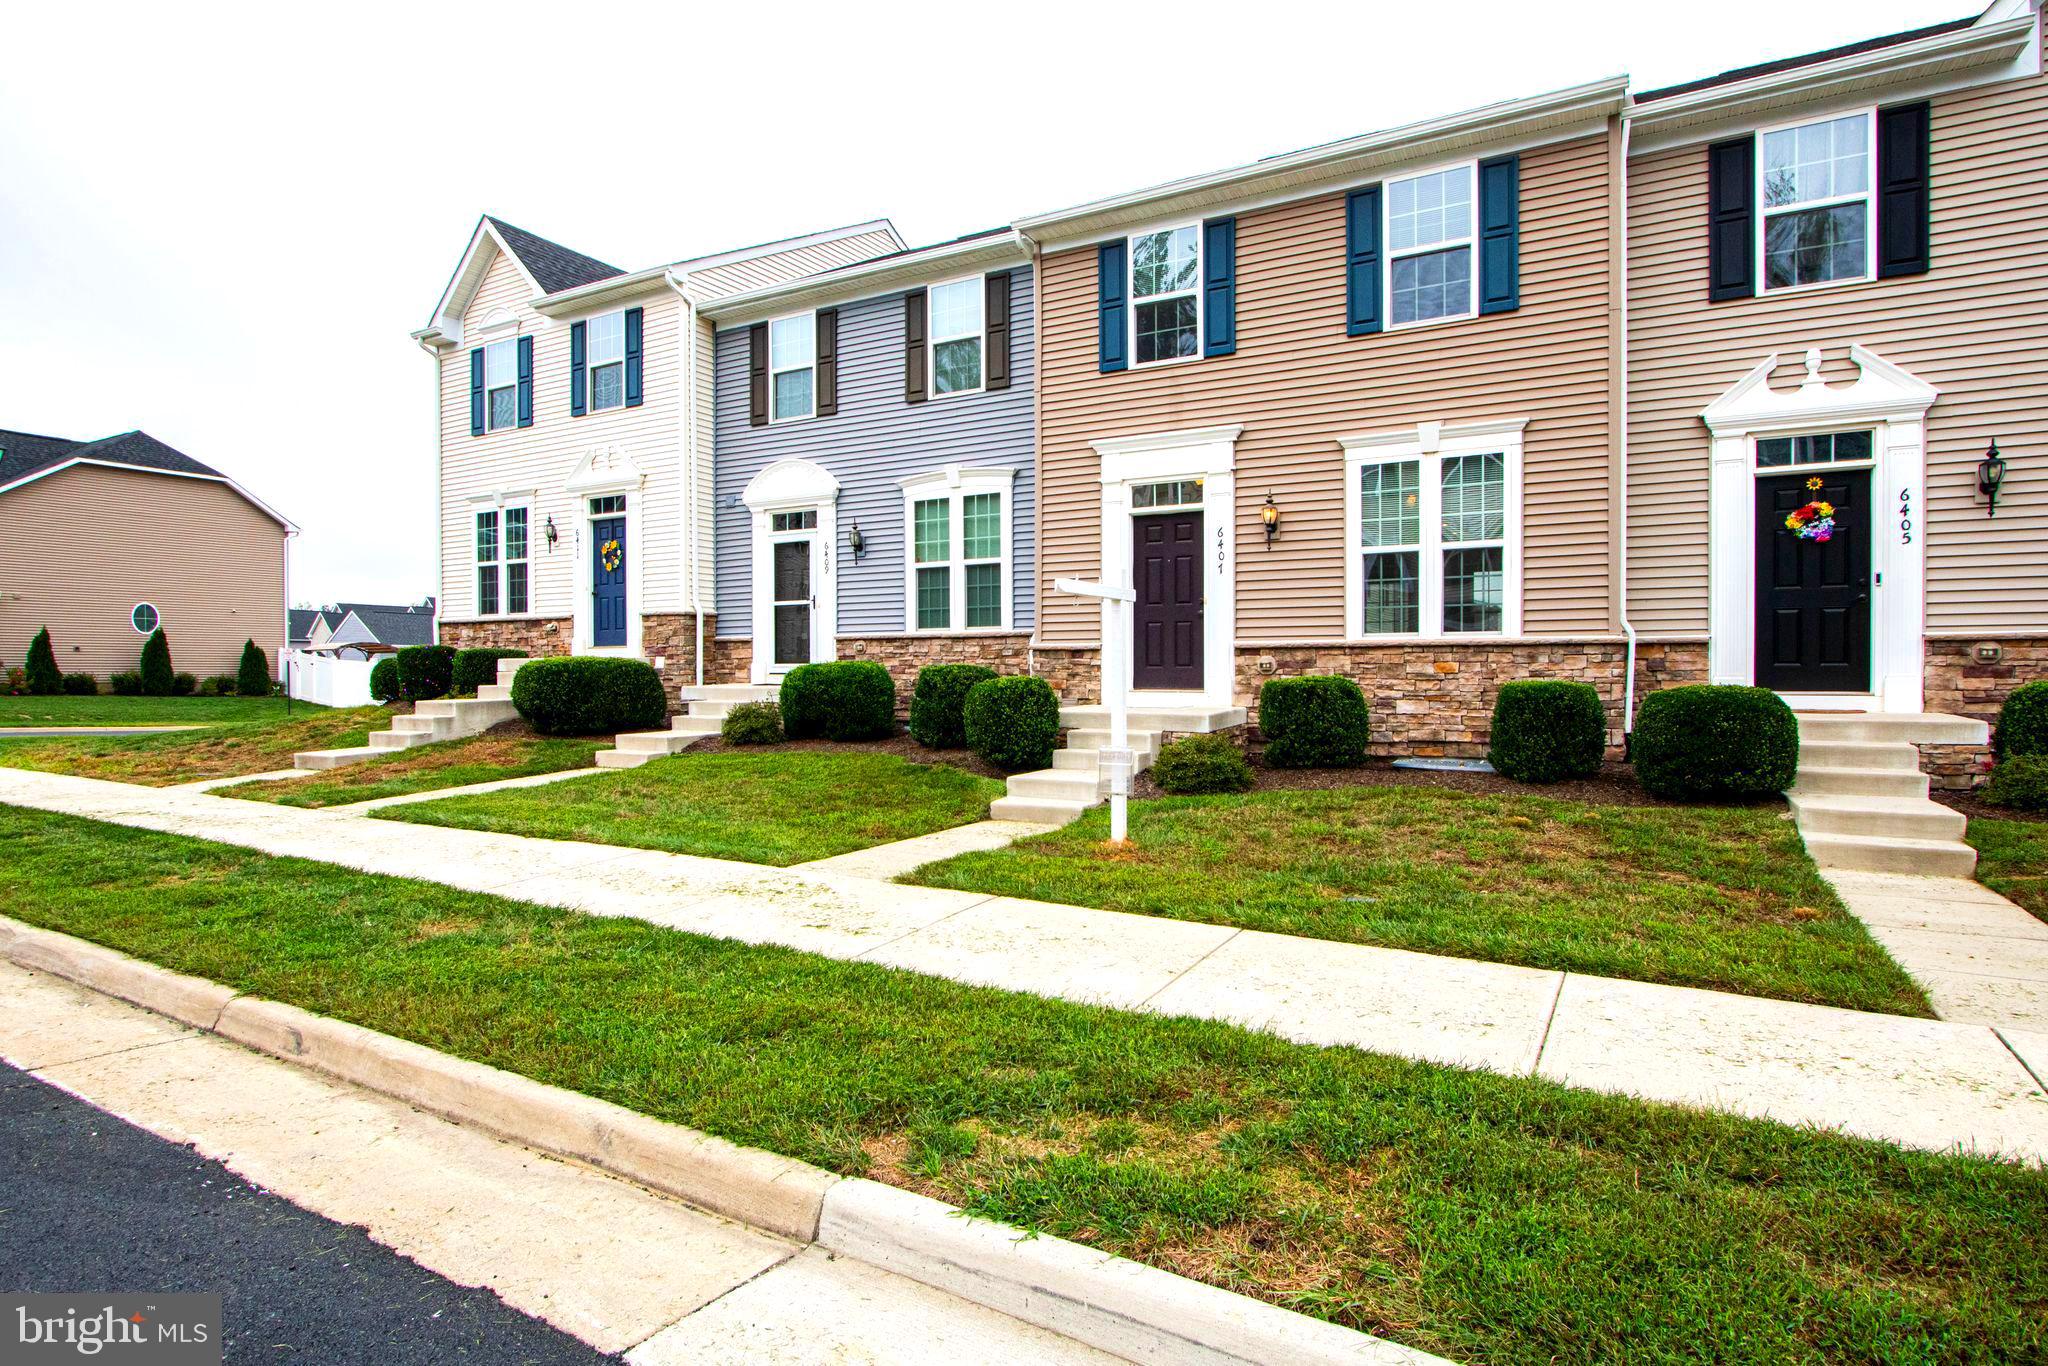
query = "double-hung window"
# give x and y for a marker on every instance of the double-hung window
(956, 333)
(1429, 246)
(1815, 186)
(958, 523)
(792, 367)
(1166, 294)
(608, 361)
(501, 383)
(1436, 542)
(502, 562)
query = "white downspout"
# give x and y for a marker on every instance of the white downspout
(692, 530)
(1628, 701)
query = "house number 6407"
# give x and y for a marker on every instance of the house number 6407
(1906, 515)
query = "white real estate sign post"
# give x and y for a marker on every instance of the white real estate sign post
(1116, 758)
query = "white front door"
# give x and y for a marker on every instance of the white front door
(794, 575)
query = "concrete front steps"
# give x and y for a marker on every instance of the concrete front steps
(1861, 800)
(703, 713)
(447, 718)
(1075, 782)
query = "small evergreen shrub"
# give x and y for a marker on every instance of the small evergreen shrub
(127, 684)
(582, 695)
(41, 677)
(1012, 722)
(938, 701)
(218, 685)
(1546, 730)
(752, 723)
(477, 667)
(425, 671)
(17, 683)
(1201, 763)
(2020, 782)
(81, 685)
(1317, 721)
(158, 677)
(850, 699)
(2022, 721)
(384, 680)
(252, 675)
(183, 685)
(1715, 740)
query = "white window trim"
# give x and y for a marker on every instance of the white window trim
(1868, 198)
(591, 363)
(500, 506)
(811, 413)
(512, 346)
(1131, 299)
(1470, 242)
(157, 615)
(955, 483)
(980, 334)
(1428, 443)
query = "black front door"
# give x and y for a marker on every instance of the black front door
(1167, 617)
(1813, 596)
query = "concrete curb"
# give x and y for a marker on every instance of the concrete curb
(1096, 1298)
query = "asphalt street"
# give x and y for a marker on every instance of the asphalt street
(90, 1202)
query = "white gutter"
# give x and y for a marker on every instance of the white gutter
(1628, 695)
(691, 494)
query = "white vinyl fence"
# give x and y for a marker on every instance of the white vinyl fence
(329, 681)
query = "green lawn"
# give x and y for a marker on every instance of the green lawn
(1718, 897)
(2012, 860)
(486, 758)
(779, 808)
(107, 710)
(1487, 1218)
(219, 751)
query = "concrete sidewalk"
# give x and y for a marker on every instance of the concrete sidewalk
(1924, 1083)
(1980, 958)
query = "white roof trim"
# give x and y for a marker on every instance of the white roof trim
(446, 324)
(791, 481)
(291, 527)
(1881, 392)
(866, 279)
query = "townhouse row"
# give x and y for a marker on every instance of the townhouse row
(1546, 389)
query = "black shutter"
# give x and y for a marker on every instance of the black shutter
(1731, 219)
(757, 375)
(916, 383)
(1219, 287)
(526, 381)
(476, 392)
(828, 362)
(634, 331)
(578, 367)
(1500, 234)
(1362, 261)
(995, 346)
(1902, 184)
(1111, 329)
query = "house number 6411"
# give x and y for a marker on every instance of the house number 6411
(1906, 515)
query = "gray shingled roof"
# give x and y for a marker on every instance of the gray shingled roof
(300, 625)
(403, 624)
(24, 453)
(553, 267)
(1743, 73)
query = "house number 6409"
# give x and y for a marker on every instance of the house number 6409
(1906, 515)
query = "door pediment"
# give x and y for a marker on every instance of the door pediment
(606, 469)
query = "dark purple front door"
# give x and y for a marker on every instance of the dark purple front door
(1167, 572)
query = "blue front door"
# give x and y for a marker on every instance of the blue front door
(608, 581)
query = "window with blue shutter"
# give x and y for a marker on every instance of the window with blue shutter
(1500, 233)
(633, 373)
(579, 355)
(1362, 261)
(1112, 329)
(526, 381)
(476, 392)
(1219, 287)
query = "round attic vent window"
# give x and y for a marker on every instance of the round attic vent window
(144, 618)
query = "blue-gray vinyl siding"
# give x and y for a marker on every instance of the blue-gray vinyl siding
(876, 440)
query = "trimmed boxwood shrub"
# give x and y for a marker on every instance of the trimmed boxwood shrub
(752, 723)
(852, 699)
(1012, 722)
(1201, 763)
(219, 685)
(2023, 721)
(183, 685)
(1317, 721)
(477, 667)
(581, 695)
(384, 680)
(1546, 730)
(41, 676)
(158, 677)
(1715, 740)
(2020, 782)
(938, 701)
(425, 671)
(81, 685)
(128, 684)
(252, 675)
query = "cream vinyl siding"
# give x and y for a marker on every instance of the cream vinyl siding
(1975, 327)
(79, 548)
(1298, 383)
(774, 267)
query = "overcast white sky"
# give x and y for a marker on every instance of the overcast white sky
(218, 223)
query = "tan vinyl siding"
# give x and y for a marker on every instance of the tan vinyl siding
(79, 548)
(1975, 327)
(1298, 383)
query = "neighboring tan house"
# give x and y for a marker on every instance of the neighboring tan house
(104, 541)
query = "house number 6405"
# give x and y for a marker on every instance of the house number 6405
(1906, 515)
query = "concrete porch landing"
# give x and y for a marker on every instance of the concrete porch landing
(444, 718)
(1861, 800)
(1075, 782)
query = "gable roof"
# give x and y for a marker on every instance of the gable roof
(1743, 73)
(26, 457)
(551, 265)
(299, 622)
(408, 624)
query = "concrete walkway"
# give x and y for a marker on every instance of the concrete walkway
(1924, 1083)
(1980, 958)
(885, 861)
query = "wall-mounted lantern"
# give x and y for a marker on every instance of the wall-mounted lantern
(552, 534)
(855, 541)
(1270, 515)
(1990, 474)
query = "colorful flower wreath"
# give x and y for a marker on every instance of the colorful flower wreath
(1815, 521)
(609, 552)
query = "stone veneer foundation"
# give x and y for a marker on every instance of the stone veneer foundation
(1961, 684)
(668, 636)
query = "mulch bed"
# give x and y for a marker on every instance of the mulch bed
(1973, 805)
(900, 745)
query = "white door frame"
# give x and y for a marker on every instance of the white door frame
(604, 471)
(793, 486)
(1892, 405)
(1210, 455)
